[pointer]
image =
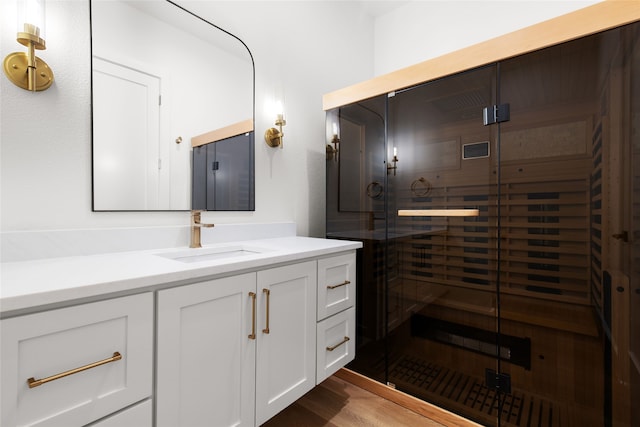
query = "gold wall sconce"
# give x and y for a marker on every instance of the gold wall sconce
(332, 152)
(273, 136)
(394, 161)
(26, 70)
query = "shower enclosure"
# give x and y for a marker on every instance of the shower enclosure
(499, 211)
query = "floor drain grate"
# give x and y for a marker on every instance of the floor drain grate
(469, 396)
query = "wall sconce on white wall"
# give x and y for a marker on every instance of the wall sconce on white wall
(394, 168)
(273, 136)
(26, 70)
(332, 152)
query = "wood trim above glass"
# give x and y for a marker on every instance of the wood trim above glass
(589, 20)
(223, 133)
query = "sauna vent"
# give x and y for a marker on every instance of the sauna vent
(476, 150)
(514, 350)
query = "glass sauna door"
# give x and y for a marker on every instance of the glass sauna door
(442, 244)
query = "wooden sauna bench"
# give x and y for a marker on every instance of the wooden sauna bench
(575, 318)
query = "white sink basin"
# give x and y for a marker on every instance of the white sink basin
(212, 254)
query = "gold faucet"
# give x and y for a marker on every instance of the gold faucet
(196, 225)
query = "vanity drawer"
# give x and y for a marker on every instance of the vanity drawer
(336, 343)
(336, 284)
(102, 351)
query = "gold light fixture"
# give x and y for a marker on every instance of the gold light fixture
(26, 70)
(332, 152)
(395, 162)
(274, 136)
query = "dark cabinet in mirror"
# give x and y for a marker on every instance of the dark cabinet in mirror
(161, 75)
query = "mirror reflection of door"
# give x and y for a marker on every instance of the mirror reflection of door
(126, 137)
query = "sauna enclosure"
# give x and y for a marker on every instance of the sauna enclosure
(528, 311)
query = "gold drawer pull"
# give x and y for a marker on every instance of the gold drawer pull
(253, 315)
(333, 347)
(35, 383)
(268, 293)
(346, 282)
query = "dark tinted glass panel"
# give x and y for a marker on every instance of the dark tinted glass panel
(199, 178)
(441, 282)
(633, 239)
(223, 175)
(234, 188)
(562, 183)
(356, 210)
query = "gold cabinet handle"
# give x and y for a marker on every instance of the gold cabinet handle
(346, 282)
(252, 295)
(35, 383)
(266, 329)
(333, 347)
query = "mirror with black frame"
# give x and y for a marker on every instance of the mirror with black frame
(162, 75)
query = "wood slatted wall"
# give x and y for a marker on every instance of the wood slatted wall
(457, 251)
(545, 244)
(545, 250)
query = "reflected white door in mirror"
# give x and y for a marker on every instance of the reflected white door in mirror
(126, 138)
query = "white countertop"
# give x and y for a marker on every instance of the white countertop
(29, 284)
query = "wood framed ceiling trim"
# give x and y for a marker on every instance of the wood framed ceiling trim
(589, 20)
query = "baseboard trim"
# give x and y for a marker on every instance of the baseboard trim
(411, 403)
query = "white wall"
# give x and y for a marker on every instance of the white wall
(425, 29)
(302, 49)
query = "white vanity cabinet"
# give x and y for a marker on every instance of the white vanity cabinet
(236, 351)
(286, 359)
(75, 365)
(206, 353)
(233, 346)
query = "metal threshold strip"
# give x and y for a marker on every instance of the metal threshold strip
(438, 212)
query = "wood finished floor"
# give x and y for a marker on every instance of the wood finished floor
(337, 403)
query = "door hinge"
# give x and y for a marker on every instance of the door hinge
(215, 166)
(495, 114)
(159, 163)
(159, 99)
(496, 381)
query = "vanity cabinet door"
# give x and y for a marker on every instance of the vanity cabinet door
(75, 365)
(286, 358)
(206, 357)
